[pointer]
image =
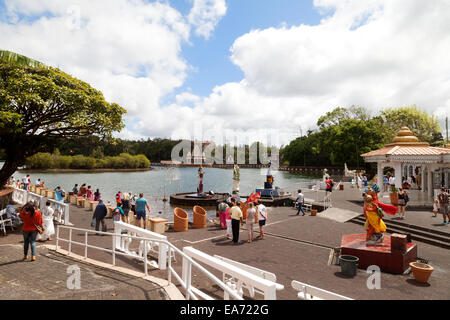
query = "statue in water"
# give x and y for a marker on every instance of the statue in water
(200, 179)
(236, 179)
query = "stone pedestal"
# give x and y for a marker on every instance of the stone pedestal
(43, 192)
(388, 260)
(50, 194)
(87, 204)
(92, 205)
(73, 199)
(399, 243)
(37, 190)
(80, 201)
(158, 225)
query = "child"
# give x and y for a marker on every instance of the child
(435, 207)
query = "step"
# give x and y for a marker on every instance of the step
(443, 244)
(430, 233)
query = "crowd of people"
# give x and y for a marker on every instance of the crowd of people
(231, 218)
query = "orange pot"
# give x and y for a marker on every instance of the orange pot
(199, 217)
(180, 220)
(394, 198)
(313, 212)
(421, 271)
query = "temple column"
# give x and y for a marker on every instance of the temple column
(429, 182)
(422, 180)
(380, 181)
(398, 174)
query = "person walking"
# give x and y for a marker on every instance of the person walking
(262, 217)
(59, 194)
(221, 209)
(126, 207)
(31, 218)
(443, 198)
(25, 183)
(228, 222)
(99, 215)
(236, 219)
(250, 220)
(133, 203)
(47, 218)
(300, 202)
(141, 205)
(402, 202)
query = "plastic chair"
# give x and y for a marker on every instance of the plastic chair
(199, 217)
(180, 220)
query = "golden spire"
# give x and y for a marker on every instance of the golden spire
(405, 137)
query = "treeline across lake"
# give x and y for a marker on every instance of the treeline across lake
(44, 160)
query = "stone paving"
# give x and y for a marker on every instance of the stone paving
(295, 248)
(47, 278)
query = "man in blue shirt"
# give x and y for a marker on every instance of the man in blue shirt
(141, 204)
(59, 194)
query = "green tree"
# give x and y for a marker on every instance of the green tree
(40, 104)
(424, 126)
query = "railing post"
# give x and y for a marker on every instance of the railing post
(70, 240)
(57, 237)
(114, 250)
(145, 258)
(188, 279)
(169, 274)
(85, 244)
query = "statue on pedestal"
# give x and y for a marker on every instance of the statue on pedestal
(236, 179)
(374, 212)
(200, 179)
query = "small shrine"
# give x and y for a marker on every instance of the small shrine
(412, 159)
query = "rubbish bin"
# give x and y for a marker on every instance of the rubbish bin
(341, 187)
(349, 265)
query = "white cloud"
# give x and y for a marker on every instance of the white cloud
(375, 53)
(205, 15)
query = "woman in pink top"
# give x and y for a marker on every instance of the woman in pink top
(228, 221)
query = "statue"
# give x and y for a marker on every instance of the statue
(236, 179)
(200, 179)
(374, 212)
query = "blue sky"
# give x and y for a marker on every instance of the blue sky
(168, 62)
(211, 58)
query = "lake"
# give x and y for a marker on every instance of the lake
(162, 181)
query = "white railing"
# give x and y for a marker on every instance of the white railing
(62, 211)
(20, 196)
(268, 288)
(188, 262)
(238, 285)
(307, 292)
(123, 244)
(38, 198)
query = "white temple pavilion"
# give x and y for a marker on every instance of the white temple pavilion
(410, 158)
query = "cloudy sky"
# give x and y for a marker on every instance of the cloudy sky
(240, 70)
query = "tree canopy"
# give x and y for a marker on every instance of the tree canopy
(40, 104)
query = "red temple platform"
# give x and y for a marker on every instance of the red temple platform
(390, 256)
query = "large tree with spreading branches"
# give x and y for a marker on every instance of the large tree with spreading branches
(40, 105)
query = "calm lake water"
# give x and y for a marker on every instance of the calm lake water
(162, 181)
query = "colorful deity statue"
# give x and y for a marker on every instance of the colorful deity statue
(373, 212)
(200, 179)
(236, 179)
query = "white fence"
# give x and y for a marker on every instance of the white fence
(307, 292)
(62, 211)
(267, 287)
(188, 262)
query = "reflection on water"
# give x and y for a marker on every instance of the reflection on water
(161, 182)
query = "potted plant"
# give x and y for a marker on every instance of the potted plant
(421, 271)
(394, 195)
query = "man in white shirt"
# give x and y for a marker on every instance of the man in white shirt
(300, 202)
(391, 181)
(25, 183)
(262, 217)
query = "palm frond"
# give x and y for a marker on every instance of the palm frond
(19, 60)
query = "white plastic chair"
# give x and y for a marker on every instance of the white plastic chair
(5, 222)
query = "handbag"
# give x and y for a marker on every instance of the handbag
(93, 223)
(39, 228)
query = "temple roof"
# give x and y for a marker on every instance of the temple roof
(406, 144)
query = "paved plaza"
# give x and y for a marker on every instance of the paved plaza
(294, 248)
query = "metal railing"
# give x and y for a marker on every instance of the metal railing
(188, 263)
(307, 292)
(62, 209)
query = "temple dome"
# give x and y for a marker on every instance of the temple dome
(405, 137)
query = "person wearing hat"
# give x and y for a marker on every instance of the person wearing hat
(236, 219)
